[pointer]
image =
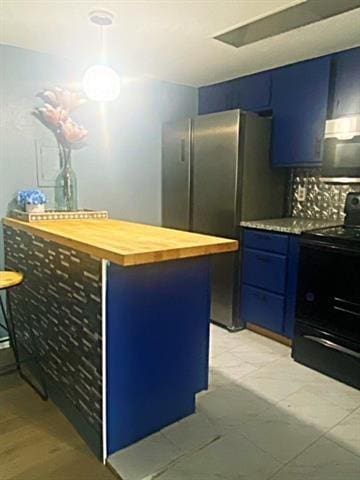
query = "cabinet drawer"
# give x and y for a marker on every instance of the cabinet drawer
(272, 242)
(265, 270)
(263, 308)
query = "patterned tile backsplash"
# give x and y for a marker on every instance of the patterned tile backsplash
(322, 201)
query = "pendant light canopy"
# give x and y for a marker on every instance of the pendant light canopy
(101, 83)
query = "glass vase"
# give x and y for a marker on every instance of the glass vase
(66, 193)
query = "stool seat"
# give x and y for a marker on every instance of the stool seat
(10, 279)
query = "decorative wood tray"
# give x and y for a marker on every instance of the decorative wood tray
(59, 215)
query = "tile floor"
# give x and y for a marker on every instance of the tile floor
(263, 417)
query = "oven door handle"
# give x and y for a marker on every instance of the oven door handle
(334, 346)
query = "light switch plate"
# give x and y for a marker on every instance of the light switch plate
(301, 194)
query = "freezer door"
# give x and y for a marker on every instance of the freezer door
(215, 173)
(176, 149)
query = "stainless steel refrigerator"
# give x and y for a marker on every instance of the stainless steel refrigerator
(216, 172)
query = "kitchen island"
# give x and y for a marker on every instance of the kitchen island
(121, 314)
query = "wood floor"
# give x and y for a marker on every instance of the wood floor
(36, 440)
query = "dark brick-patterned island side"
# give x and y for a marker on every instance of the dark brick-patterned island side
(61, 298)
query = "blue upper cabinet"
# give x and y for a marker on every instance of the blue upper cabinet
(252, 93)
(215, 98)
(299, 103)
(346, 83)
(298, 96)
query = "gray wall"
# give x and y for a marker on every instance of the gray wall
(125, 149)
(119, 170)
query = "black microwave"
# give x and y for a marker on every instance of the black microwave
(341, 155)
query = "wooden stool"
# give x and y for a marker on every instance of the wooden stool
(9, 280)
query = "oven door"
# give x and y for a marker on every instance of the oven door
(341, 159)
(329, 290)
(327, 328)
(326, 353)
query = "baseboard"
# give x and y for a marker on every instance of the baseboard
(268, 333)
(229, 329)
(4, 343)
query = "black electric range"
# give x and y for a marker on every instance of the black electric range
(327, 326)
(340, 237)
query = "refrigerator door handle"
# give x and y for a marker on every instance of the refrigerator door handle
(183, 150)
(332, 345)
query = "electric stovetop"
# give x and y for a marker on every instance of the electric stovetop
(341, 236)
(338, 236)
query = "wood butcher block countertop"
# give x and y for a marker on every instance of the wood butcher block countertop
(126, 243)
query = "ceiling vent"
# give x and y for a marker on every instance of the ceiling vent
(291, 18)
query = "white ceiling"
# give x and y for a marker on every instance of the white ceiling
(170, 39)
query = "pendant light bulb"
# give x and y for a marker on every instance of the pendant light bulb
(101, 83)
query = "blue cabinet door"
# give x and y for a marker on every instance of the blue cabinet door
(252, 92)
(346, 83)
(215, 98)
(299, 101)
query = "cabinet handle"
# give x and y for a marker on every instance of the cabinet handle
(263, 259)
(263, 237)
(317, 147)
(261, 296)
(332, 345)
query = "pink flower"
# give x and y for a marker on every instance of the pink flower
(48, 96)
(68, 100)
(72, 134)
(53, 115)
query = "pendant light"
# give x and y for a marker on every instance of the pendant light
(101, 83)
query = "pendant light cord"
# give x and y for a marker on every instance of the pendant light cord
(104, 53)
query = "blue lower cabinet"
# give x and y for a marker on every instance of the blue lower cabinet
(157, 346)
(269, 280)
(268, 241)
(264, 269)
(263, 308)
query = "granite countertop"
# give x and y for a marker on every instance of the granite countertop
(290, 225)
